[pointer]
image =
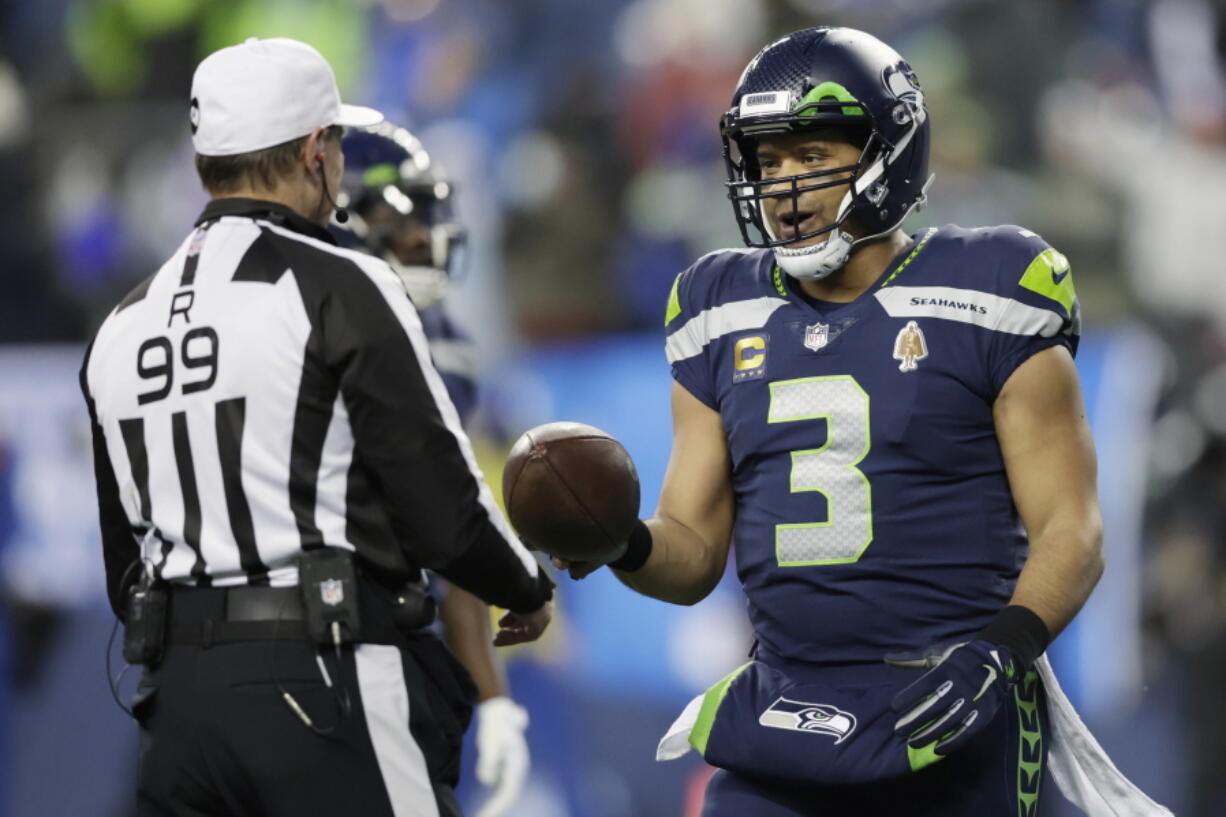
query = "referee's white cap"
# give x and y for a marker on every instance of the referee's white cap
(264, 92)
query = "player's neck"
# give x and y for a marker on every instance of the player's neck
(867, 263)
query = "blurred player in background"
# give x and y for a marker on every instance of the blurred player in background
(400, 209)
(891, 428)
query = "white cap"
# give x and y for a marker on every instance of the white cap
(265, 92)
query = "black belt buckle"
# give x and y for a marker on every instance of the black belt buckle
(264, 604)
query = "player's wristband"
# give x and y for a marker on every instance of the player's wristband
(637, 549)
(1021, 630)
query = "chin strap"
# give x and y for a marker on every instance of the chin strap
(816, 262)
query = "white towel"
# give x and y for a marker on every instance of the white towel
(1080, 767)
(1078, 764)
(676, 741)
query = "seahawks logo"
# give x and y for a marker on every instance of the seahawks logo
(818, 719)
(901, 81)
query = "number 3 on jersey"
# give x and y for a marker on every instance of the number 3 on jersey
(830, 470)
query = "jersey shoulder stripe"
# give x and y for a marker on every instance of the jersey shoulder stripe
(1005, 279)
(723, 291)
(718, 277)
(969, 306)
(695, 334)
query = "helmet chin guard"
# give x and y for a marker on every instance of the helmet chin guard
(820, 260)
(816, 262)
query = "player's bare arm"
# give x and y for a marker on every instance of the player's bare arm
(692, 528)
(1049, 457)
(466, 625)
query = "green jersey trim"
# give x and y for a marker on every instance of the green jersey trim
(1049, 275)
(695, 334)
(714, 696)
(923, 242)
(1030, 744)
(674, 301)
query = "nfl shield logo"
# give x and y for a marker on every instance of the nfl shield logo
(817, 336)
(197, 241)
(332, 591)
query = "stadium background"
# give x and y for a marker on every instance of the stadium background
(583, 139)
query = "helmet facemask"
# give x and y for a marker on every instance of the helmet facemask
(749, 194)
(827, 78)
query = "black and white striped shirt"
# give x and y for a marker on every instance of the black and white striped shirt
(266, 392)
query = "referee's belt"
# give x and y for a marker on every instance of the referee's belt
(205, 616)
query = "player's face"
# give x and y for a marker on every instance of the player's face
(794, 154)
(405, 236)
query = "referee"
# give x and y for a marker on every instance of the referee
(277, 460)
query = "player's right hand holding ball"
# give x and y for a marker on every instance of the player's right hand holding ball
(572, 491)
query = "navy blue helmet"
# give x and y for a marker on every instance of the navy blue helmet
(824, 77)
(400, 205)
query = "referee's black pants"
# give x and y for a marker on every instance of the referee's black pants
(219, 740)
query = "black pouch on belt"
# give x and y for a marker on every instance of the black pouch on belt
(414, 608)
(330, 593)
(144, 625)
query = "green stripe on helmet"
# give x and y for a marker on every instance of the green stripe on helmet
(823, 92)
(380, 175)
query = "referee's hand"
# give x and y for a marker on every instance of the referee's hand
(520, 628)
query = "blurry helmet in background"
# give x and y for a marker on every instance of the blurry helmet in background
(400, 205)
(828, 77)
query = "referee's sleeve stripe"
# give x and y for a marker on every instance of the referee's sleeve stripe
(393, 293)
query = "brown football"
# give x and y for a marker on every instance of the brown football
(571, 490)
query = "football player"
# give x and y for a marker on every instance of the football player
(891, 428)
(400, 208)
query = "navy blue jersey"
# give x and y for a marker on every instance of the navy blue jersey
(455, 357)
(873, 513)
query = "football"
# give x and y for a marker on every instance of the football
(571, 491)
